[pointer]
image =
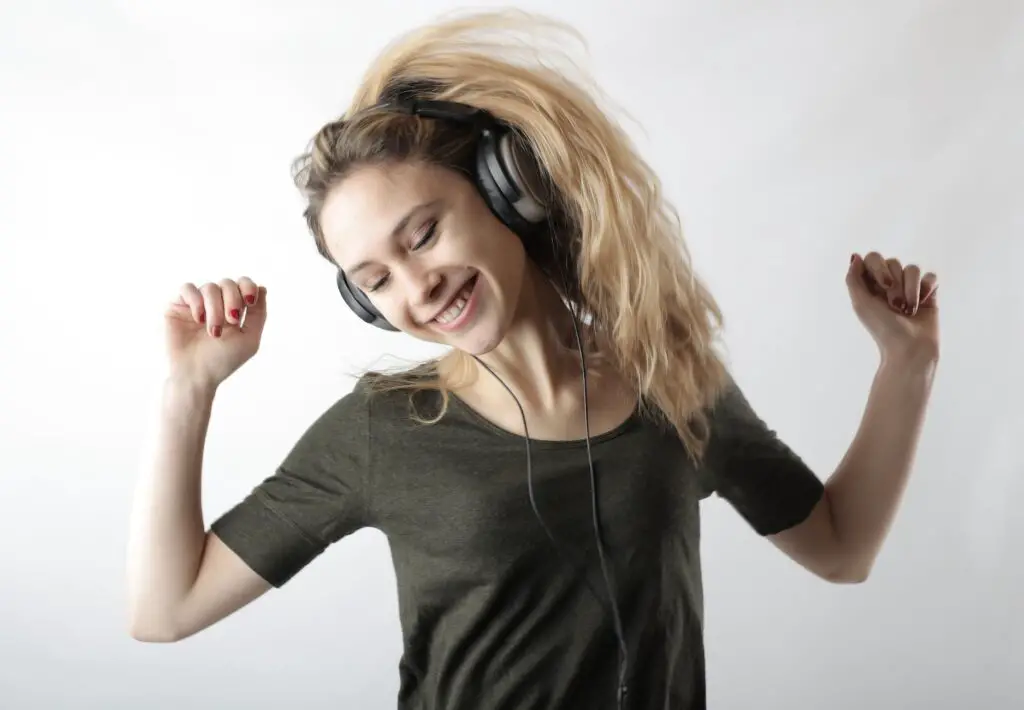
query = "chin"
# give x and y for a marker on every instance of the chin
(478, 345)
(483, 337)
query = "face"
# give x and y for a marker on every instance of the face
(422, 244)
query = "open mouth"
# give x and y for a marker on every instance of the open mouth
(460, 308)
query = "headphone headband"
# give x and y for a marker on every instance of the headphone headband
(444, 111)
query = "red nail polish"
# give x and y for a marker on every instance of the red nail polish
(216, 331)
(202, 317)
(250, 300)
(235, 313)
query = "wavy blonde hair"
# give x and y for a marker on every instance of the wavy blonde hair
(630, 270)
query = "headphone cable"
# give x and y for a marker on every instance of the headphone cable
(622, 687)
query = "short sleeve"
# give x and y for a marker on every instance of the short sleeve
(317, 496)
(750, 467)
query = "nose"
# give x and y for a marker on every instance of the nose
(424, 287)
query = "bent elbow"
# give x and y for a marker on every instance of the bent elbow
(148, 630)
(847, 574)
(147, 634)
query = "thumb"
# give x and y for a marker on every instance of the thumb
(856, 277)
(256, 314)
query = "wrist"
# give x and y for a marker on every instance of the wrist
(185, 389)
(910, 358)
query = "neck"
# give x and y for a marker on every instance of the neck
(538, 357)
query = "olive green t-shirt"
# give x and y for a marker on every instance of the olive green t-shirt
(493, 616)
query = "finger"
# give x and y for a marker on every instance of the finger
(912, 289)
(249, 290)
(856, 275)
(895, 292)
(233, 303)
(189, 296)
(878, 272)
(256, 314)
(929, 291)
(895, 268)
(213, 302)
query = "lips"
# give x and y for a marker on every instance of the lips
(468, 284)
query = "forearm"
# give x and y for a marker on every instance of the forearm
(167, 534)
(866, 489)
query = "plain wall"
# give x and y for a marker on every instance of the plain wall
(147, 144)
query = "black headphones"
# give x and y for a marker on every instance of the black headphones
(498, 172)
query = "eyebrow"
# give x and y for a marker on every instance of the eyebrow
(400, 227)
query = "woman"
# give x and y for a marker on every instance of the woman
(539, 483)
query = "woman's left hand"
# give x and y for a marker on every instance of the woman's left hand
(897, 304)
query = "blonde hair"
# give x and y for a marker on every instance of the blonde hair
(630, 268)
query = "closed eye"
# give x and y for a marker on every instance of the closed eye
(428, 236)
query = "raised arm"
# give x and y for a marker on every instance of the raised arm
(181, 579)
(837, 529)
(183, 576)
(899, 307)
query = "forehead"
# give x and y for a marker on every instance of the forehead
(361, 211)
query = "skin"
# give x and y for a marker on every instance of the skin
(898, 306)
(519, 326)
(182, 579)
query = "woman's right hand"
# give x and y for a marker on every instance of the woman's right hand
(212, 330)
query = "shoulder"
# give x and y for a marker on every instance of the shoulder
(730, 407)
(738, 433)
(375, 396)
(401, 398)
(343, 423)
(734, 425)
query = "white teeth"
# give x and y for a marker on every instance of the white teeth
(455, 309)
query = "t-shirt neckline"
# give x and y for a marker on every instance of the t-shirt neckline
(624, 427)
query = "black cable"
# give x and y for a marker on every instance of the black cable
(616, 617)
(533, 501)
(622, 689)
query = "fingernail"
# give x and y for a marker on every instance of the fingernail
(235, 313)
(852, 257)
(202, 317)
(250, 300)
(216, 331)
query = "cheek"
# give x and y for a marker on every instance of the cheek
(484, 238)
(394, 309)
(506, 260)
(494, 246)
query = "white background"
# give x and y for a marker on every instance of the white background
(148, 143)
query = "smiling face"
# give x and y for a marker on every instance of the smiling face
(423, 245)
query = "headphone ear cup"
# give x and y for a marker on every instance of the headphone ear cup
(501, 185)
(358, 302)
